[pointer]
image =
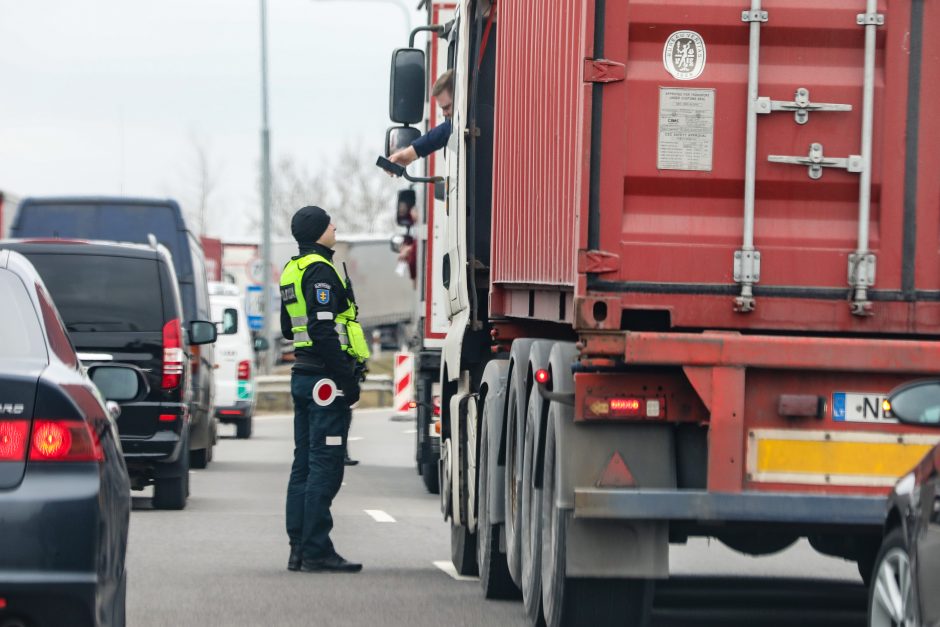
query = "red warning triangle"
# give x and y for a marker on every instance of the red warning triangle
(617, 474)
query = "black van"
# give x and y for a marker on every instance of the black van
(136, 220)
(121, 302)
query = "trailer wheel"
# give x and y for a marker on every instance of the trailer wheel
(572, 601)
(532, 514)
(515, 429)
(463, 549)
(494, 573)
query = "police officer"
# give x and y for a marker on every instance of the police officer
(319, 315)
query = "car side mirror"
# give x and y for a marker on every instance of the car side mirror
(398, 137)
(396, 243)
(406, 86)
(202, 332)
(405, 207)
(119, 382)
(916, 403)
(261, 344)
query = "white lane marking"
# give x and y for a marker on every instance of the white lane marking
(448, 567)
(354, 438)
(379, 516)
(410, 431)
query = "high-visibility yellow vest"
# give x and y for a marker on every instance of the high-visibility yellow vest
(352, 339)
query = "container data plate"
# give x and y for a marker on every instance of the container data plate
(686, 129)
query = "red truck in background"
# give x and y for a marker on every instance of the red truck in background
(689, 247)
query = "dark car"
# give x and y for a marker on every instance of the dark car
(905, 587)
(64, 489)
(120, 302)
(136, 220)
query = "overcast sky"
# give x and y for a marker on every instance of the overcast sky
(106, 96)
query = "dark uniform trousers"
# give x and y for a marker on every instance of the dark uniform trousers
(317, 473)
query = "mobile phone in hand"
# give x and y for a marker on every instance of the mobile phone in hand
(390, 166)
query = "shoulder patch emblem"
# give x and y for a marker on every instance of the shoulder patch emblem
(323, 295)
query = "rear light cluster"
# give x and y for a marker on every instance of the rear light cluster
(244, 370)
(626, 407)
(172, 355)
(51, 441)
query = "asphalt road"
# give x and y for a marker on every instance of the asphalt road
(222, 560)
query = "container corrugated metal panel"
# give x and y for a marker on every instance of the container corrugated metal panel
(675, 229)
(538, 141)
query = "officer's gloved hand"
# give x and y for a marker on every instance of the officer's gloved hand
(351, 392)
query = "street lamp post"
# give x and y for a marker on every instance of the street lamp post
(266, 309)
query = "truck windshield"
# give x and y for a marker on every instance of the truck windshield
(103, 293)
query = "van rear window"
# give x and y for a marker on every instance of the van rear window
(103, 293)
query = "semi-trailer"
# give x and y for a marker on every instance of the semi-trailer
(687, 249)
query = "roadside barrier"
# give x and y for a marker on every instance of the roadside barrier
(404, 382)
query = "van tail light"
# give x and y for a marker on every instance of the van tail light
(64, 441)
(244, 370)
(13, 434)
(172, 354)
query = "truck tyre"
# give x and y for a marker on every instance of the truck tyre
(243, 428)
(531, 527)
(463, 548)
(515, 429)
(430, 477)
(494, 573)
(572, 601)
(172, 492)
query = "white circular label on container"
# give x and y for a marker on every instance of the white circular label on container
(684, 55)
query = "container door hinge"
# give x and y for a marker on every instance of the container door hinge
(603, 71)
(815, 161)
(746, 266)
(597, 262)
(801, 106)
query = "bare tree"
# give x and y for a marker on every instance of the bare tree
(358, 196)
(200, 182)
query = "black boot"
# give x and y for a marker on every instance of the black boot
(295, 559)
(332, 564)
(349, 461)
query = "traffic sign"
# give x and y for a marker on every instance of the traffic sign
(253, 307)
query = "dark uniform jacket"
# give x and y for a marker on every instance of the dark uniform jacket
(433, 140)
(326, 297)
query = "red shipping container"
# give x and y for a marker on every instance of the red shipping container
(620, 161)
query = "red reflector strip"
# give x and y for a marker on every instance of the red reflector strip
(168, 417)
(3, 603)
(230, 412)
(13, 434)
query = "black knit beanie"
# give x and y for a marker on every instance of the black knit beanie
(309, 224)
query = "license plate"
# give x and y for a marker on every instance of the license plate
(859, 407)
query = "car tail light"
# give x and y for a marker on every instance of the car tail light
(244, 370)
(64, 441)
(172, 354)
(13, 434)
(168, 417)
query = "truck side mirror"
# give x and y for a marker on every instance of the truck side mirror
(406, 204)
(398, 137)
(406, 87)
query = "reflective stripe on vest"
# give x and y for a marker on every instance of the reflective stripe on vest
(293, 275)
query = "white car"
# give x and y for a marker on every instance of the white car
(235, 359)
